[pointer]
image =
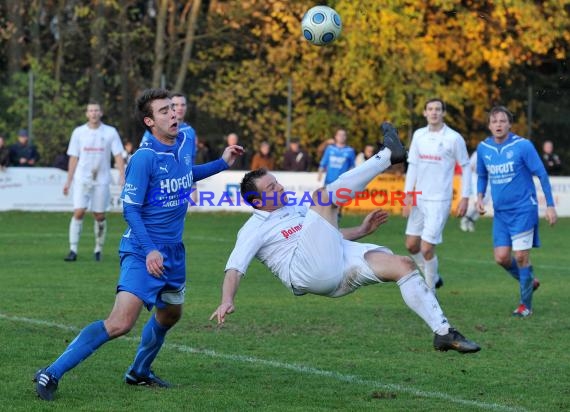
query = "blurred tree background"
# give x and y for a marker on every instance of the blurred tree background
(237, 60)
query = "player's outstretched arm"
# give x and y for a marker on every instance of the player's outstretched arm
(371, 222)
(229, 290)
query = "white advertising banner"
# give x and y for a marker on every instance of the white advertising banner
(41, 189)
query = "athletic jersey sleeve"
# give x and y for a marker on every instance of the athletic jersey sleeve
(247, 245)
(73, 148)
(116, 144)
(481, 172)
(325, 160)
(137, 179)
(352, 159)
(411, 175)
(411, 172)
(462, 157)
(205, 170)
(536, 167)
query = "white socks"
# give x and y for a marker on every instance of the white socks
(75, 227)
(431, 272)
(100, 229)
(420, 262)
(472, 212)
(422, 300)
(356, 180)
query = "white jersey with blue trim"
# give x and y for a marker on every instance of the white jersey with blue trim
(159, 180)
(509, 167)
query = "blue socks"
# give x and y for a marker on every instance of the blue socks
(514, 269)
(525, 283)
(152, 339)
(525, 278)
(87, 342)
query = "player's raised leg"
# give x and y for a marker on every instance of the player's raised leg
(356, 180)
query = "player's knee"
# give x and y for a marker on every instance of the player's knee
(118, 327)
(503, 259)
(521, 259)
(412, 246)
(169, 317)
(396, 267)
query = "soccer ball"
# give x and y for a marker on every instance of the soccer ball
(321, 25)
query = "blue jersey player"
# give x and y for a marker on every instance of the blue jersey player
(337, 159)
(153, 273)
(509, 162)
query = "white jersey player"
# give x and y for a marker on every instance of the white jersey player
(90, 150)
(434, 152)
(304, 247)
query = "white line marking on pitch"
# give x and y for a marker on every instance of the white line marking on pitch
(293, 367)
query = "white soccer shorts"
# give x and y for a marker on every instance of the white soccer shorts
(427, 220)
(88, 195)
(325, 263)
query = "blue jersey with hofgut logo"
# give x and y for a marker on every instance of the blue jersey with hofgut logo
(509, 168)
(158, 184)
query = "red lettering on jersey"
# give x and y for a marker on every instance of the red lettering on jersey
(293, 229)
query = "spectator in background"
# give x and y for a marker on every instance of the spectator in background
(550, 159)
(22, 153)
(128, 152)
(4, 154)
(366, 154)
(337, 159)
(61, 160)
(241, 162)
(263, 158)
(203, 152)
(296, 159)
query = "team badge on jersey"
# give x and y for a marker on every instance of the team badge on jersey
(187, 159)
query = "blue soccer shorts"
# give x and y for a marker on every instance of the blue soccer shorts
(169, 289)
(516, 228)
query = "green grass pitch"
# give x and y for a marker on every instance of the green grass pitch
(366, 351)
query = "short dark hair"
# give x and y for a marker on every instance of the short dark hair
(145, 100)
(177, 94)
(500, 109)
(248, 186)
(436, 99)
